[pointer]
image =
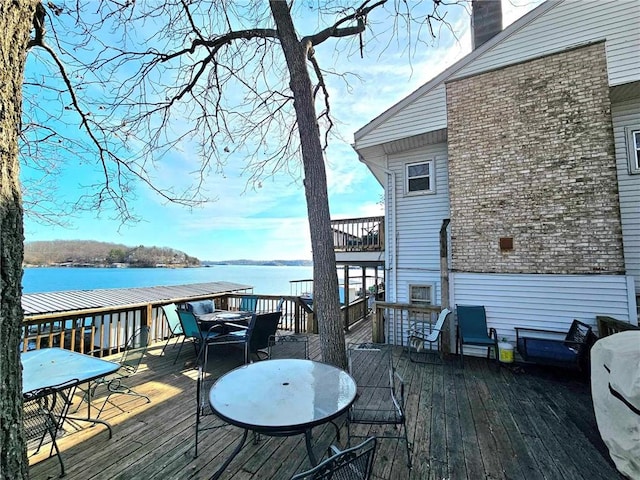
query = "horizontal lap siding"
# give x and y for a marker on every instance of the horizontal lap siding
(568, 24)
(426, 113)
(542, 301)
(419, 219)
(628, 114)
(571, 23)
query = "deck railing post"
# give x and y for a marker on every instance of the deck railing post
(377, 332)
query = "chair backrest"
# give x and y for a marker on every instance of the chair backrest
(289, 346)
(173, 320)
(472, 320)
(249, 303)
(355, 463)
(370, 364)
(189, 324)
(134, 350)
(201, 307)
(45, 410)
(441, 319)
(262, 327)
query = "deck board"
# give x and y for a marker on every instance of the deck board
(463, 423)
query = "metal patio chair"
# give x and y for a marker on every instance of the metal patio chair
(249, 303)
(132, 356)
(472, 330)
(380, 399)
(355, 463)
(191, 331)
(45, 410)
(262, 328)
(203, 409)
(289, 346)
(419, 336)
(173, 322)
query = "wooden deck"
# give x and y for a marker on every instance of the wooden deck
(480, 422)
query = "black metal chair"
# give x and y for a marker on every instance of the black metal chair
(288, 346)
(355, 463)
(203, 409)
(472, 330)
(380, 399)
(45, 410)
(261, 329)
(132, 356)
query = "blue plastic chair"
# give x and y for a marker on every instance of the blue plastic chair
(173, 322)
(249, 304)
(472, 330)
(191, 330)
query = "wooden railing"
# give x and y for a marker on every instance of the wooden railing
(391, 321)
(354, 312)
(609, 325)
(358, 234)
(104, 331)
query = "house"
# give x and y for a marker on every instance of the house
(526, 154)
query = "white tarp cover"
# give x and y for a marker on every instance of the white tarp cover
(615, 387)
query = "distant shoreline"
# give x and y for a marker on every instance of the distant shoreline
(266, 263)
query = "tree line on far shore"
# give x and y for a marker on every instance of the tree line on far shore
(93, 253)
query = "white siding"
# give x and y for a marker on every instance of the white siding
(542, 301)
(418, 222)
(429, 112)
(628, 114)
(572, 23)
(568, 24)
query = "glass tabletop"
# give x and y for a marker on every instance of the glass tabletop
(223, 316)
(282, 395)
(48, 367)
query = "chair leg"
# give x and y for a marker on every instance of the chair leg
(179, 350)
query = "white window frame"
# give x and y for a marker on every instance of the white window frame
(421, 302)
(632, 136)
(432, 177)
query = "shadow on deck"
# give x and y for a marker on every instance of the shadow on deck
(480, 422)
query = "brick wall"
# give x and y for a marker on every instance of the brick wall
(531, 158)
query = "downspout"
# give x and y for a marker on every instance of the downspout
(389, 259)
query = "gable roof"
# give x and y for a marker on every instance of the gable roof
(449, 72)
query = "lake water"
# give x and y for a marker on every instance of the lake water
(266, 280)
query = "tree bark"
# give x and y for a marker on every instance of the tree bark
(326, 301)
(15, 23)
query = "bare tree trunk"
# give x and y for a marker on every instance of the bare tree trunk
(15, 23)
(325, 277)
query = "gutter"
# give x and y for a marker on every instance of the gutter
(392, 231)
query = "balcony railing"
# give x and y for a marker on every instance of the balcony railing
(358, 234)
(104, 331)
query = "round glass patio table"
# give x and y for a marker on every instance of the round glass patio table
(281, 398)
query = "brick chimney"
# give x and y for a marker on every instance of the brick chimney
(486, 21)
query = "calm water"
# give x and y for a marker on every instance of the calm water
(267, 280)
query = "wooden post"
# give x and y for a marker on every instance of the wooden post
(346, 298)
(444, 276)
(364, 292)
(377, 328)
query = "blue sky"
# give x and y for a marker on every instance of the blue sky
(270, 222)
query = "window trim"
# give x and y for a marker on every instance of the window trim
(633, 149)
(431, 288)
(432, 177)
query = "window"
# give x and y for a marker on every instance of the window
(633, 148)
(420, 295)
(420, 177)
